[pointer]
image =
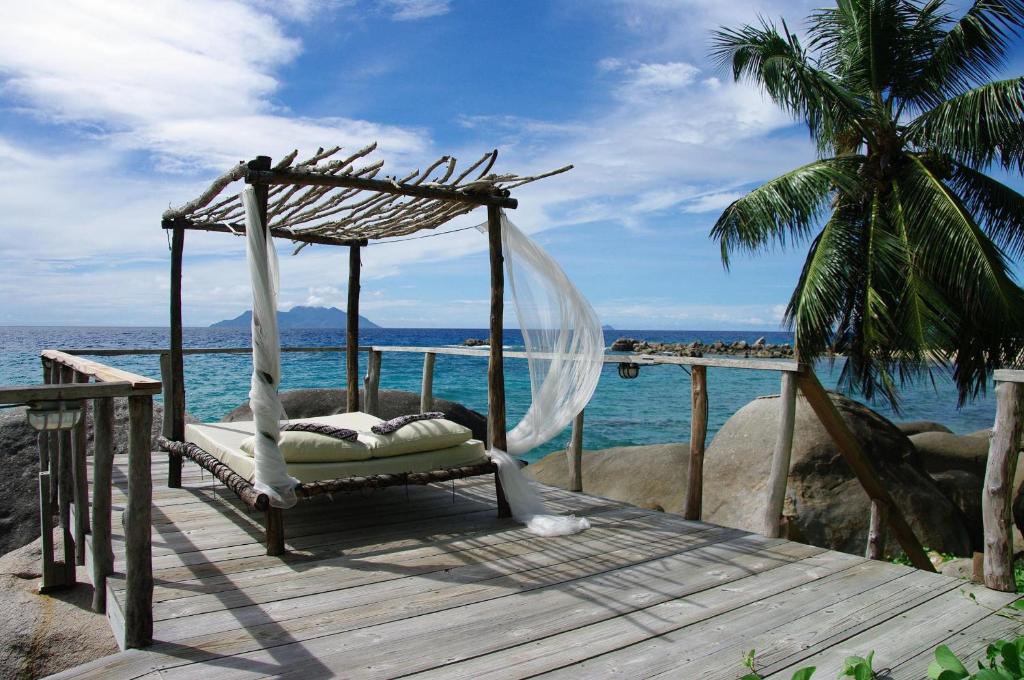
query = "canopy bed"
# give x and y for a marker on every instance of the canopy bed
(330, 199)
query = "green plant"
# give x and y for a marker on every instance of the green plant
(1004, 660)
(748, 662)
(910, 239)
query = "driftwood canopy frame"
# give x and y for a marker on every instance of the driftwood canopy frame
(331, 199)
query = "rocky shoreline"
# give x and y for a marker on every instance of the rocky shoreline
(759, 349)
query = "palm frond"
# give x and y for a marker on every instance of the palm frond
(971, 273)
(785, 209)
(974, 49)
(977, 128)
(777, 62)
(997, 208)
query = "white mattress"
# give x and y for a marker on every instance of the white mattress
(222, 440)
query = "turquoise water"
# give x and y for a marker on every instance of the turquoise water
(653, 408)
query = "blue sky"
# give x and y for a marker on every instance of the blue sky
(111, 111)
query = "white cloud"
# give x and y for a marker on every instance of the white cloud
(414, 10)
(662, 77)
(712, 202)
(192, 81)
(671, 313)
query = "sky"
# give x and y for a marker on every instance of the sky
(112, 111)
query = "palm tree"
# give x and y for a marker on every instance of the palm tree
(910, 239)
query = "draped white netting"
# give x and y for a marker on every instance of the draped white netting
(271, 473)
(563, 339)
(565, 347)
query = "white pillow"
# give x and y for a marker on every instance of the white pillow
(309, 447)
(416, 437)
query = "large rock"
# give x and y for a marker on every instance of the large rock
(912, 427)
(963, 488)
(651, 476)
(831, 508)
(46, 634)
(309, 403)
(19, 469)
(941, 451)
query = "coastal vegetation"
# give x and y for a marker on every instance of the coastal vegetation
(912, 233)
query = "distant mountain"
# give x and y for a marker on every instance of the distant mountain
(606, 327)
(299, 317)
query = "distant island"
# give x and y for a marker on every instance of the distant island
(299, 317)
(606, 327)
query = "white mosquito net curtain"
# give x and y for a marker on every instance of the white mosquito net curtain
(563, 340)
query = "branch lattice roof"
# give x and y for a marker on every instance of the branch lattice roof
(335, 199)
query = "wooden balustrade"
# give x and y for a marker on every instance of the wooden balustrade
(63, 461)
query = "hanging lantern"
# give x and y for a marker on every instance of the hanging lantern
(59, 414)
(628, 370)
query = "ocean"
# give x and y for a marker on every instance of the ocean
(653, 408)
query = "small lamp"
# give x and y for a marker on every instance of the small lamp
(628, 370)
(57, 414)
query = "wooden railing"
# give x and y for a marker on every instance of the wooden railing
(64, 490)
(793, 377)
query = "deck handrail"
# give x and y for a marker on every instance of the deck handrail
(63, 483)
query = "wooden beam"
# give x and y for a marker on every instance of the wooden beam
(574, 452)
(997, 493)
(698, 436)
(779, 474)
(56, 391)
(307, 179)
(861, 466)
(102, 474)
(138, 600)
(239, 230)
(101, 372)
(496, 435)
(352, 331)
(427, 385)
(176, 360)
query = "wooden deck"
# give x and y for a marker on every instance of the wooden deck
(428, 582)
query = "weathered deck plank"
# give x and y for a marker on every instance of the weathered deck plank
(429, 582)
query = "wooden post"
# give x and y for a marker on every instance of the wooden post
(575, 454)
(698, 435)
(52, 371)
(427, 388)
(275, 531)
(496, 435)
(79, 439)
(371, 384)
(850, 449)
(876, 531)
(102, 472)
(50, 578)
(66, 492)
(352, 333)
(176, 369)
(167, 392)
(997, 495)
(779, 474)
(138, 603)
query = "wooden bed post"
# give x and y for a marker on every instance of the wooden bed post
(275, 531)
(176, 374)
(495, 367)
(997, 494)
(352, 338)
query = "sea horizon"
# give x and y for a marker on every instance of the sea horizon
(651, 409)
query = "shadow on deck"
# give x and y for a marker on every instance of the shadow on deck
(427, 581)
